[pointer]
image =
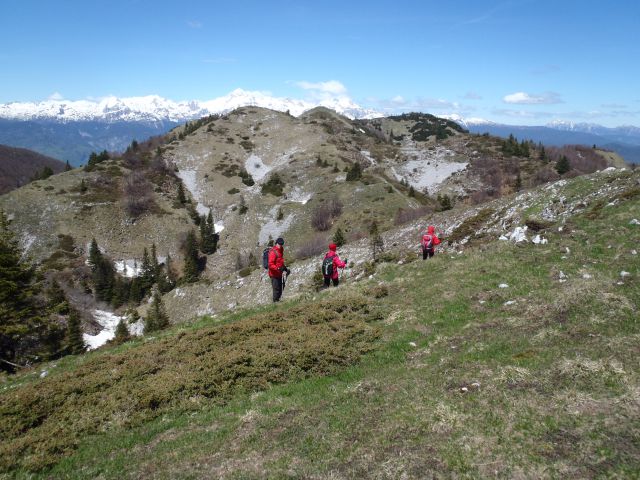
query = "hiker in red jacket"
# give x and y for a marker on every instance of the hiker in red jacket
(429, 242)
(277, 268)
(330, 266)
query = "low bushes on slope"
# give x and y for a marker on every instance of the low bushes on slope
(45, 420)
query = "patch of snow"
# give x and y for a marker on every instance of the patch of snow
(502, 237)
(427, 173)
(109, 321)
(413, 344)
(609, 169)
(634, 252)
(189, 179)
(519, 234)
(634, 222)
(503, 285)
(367, 154)
(624, 274)
(509, 302)
(272, 227)
(137, 328)
(218, 227)
(256, 167)
(587, 276)
(44, 373)
(539, 240)
(128, 268)
(299, 196)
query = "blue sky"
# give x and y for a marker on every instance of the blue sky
(520, 62)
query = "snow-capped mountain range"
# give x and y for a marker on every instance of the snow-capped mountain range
(153, 108)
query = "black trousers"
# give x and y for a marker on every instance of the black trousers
(276, 286)
(328, 280)
(426, 253)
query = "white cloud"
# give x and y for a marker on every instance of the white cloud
(522, 98)
(332, 87)
(56, 96)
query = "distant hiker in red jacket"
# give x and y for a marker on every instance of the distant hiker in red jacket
(330, 266)
(429, 242)
(277, 268)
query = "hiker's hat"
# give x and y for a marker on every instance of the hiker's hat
(333, 246)
(280, 241)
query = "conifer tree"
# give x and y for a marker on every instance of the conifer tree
(147, 276)
(122, 332)
(354, 173)
(74, 341)
(562, 165)
(377, 243)
(156, 318)
(209, 235)
(56, 299)
(338, 237)
(18, 317)
(191, 258)
(182, 199)
(155, 266)
(518, 185)
(67, 166)
(103, 273)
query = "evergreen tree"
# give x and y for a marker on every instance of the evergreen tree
(338, 237)
(155, 266)
(94, 254)
(156, 318)
(67, 166)
(562, 165)
(209, 243)
(122, 332)
(445, 202)
(354, 173)
(121, 291)
(136, 292)
(147, 276)
(182, 199)
(191, 258)
(102, 273)
(18, 319)
(377, 243)
(74, 341)
(56, 299)
(518, 185)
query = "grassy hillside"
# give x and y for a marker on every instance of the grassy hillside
(496, 360)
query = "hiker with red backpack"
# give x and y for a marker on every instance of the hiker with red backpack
(330, 266)
(429, 242)
(277, 269)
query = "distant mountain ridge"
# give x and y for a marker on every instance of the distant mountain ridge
(153, 108)
(71, 130)
(624, 140)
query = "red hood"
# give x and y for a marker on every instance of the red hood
(431, 230)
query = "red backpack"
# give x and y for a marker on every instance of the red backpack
(427, 242)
